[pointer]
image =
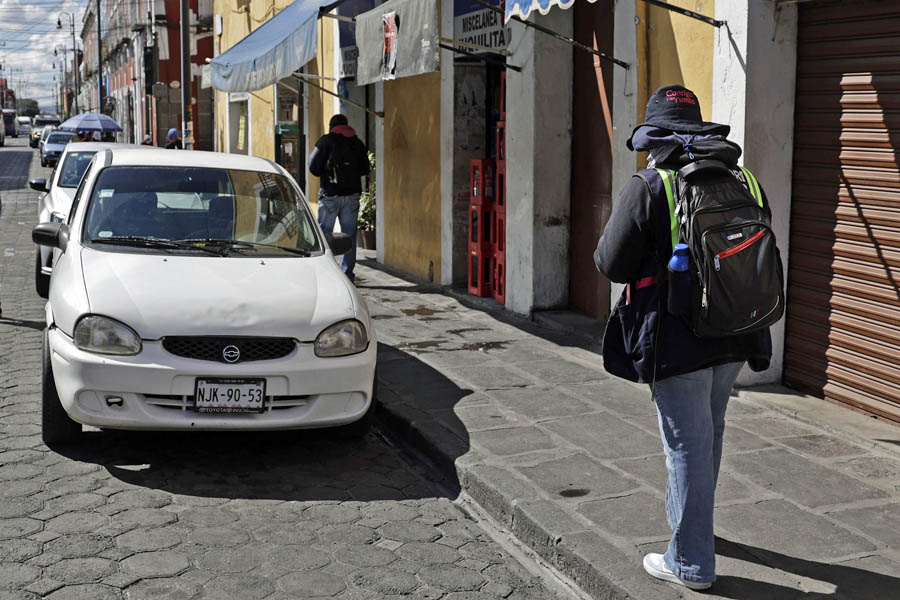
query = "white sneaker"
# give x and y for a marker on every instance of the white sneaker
(656, 566)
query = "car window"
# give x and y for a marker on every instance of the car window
(79, 192)
(262, 213)
(73, 168)
(59, 138)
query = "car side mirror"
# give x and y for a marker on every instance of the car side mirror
(39, 185)
(340, 243)
(54, 235)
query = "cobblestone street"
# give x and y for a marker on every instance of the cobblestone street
(230, 516)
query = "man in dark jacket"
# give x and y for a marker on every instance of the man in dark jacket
(691, 379)
(340, 160)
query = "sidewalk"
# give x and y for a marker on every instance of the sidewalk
(569, 459)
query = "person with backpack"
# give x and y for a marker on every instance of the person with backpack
(340, 160)
(173, 140)
(691, 239)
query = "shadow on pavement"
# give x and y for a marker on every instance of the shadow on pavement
(849, 582)
(36, 325)
(303, 465)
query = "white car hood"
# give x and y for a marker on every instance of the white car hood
(160, 295)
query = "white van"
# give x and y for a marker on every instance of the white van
(24, 124)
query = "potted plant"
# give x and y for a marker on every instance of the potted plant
(367, 209)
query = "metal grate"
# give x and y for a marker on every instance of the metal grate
(214, 348)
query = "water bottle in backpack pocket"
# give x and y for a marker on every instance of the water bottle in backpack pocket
(680, 295)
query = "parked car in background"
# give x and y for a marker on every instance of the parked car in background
(45, 133)
(195, 291)
(54, 205)
(9, 120)
(53, 147)
(24, 125)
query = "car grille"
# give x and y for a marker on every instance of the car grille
(217, 348)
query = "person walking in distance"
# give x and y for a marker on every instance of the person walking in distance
(660, 332)
(173, 140)
(340, 160)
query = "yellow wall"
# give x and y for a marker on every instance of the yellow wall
(412, 172)
(321, 104)
(673, 48)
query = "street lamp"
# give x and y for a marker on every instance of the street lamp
(74, 51)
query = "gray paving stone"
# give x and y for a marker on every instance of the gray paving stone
(363, 555)
(880, 522)
(156, 564)
(616, 396)
(161, 589)
(16, 575)
(773, 427)
(428, 554)
(867, 578)
(605, 436)
(799, 479)
(578, 477)
(451, 578)
(19, 507)
(738, 440)
(822, 446)
(18, 527)
(385, 581)
(560, 370)
(80, 570)
(541, 403)
(637, 515)
(515, 440)
(489, 377)
(782, 527)
(238, 587)
(873, 467)
(19, 549)
(475, 418)
(81, 545)
(410, 531)
(311, 584)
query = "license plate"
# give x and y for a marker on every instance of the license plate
(221, 395)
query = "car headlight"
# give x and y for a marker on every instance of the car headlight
(103, 335)
(342, 339)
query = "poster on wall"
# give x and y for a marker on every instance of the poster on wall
(475, 24)
(398, 39)
(389, 52)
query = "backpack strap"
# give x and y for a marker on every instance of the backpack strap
(753, 186)
(661, 183)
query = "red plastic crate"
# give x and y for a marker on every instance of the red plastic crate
(480, 274)
(481, 181)
(498, 276)
(503, 94)
(501, 142)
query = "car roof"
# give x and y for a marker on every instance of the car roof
(97, 146)
(151, 156)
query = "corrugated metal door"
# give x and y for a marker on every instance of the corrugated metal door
(843, 319)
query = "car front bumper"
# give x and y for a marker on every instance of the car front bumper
(154, 390)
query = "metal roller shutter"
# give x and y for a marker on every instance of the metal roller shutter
(843, 320)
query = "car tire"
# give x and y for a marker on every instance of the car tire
(41, 281)
(43, 163)
(363, 425)
(57, 426)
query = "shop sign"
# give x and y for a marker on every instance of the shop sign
(347, 34)
(475, 24)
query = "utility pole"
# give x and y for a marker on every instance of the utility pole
(187, 132)
(74, 53)
(99, 63)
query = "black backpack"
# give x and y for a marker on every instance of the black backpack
(736, 280)
(343, 165)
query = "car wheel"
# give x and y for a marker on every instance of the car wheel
(56, 424)
(43, 163)
(41, 280)
(363, 425)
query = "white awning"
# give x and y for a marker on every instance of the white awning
(523, 8)
(280, 46)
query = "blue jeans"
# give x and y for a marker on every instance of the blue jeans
(691, 410)
(346, 210)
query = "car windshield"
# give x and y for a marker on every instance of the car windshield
(38, 122)
(240, 213)
(73, 168)
(59, 138)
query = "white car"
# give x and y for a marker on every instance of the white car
(54, 205)
(195, 291)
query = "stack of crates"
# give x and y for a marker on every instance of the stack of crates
(498, 214)
(481, 202)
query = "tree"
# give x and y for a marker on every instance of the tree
(28, 107)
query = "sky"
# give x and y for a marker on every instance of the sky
(28, 36)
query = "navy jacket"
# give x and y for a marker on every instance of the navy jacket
(643, 342)
(318, 161)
